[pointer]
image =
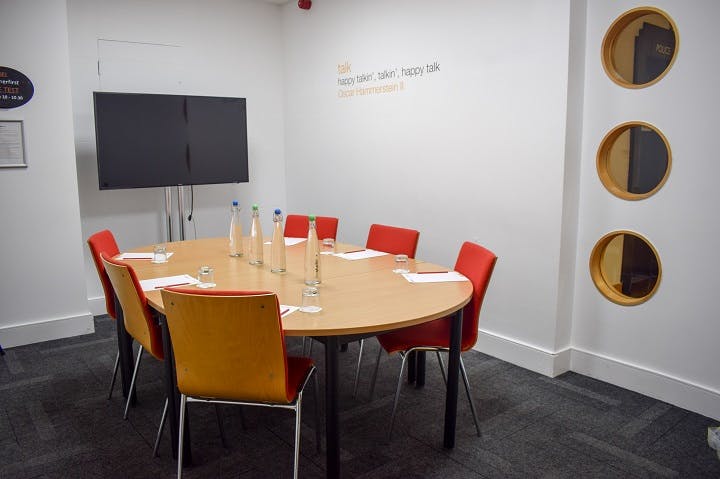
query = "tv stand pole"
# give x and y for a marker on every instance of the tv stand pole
(180, 214)
(181, 211)
(168, 214)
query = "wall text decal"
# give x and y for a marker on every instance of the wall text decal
(387, 80)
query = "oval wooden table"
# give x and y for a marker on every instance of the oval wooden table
(360, 298)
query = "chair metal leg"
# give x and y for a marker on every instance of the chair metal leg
(357, 371)
(310, 348)
(181, 434)
(298, 425)
(160, 429)
(114, 376)
(132, 382)
(397, 394)
(374, 378)
(303, 345)
(442, 366)
(318, 439)
(470, 399)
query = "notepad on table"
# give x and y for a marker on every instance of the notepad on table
(360, 254)
(285, 309)
(440, 277)
(149, 255)
(167, 281)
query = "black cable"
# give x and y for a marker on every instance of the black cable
(192, 202)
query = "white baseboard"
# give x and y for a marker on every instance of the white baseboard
(679, 392)
(528, 356)
(97, 305)
(46, 330)
(676, 391)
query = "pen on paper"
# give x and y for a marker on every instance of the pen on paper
(170, 285)
(353, 251)
(282, 313)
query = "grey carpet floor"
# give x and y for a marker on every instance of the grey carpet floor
(55, 422)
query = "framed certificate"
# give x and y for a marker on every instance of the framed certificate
(12, 145)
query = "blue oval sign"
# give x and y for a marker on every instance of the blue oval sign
(15, 88)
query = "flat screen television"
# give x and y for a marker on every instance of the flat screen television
(149, 140)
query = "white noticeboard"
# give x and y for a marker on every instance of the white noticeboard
(12, 147)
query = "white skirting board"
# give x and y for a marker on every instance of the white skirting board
(524, 355)
(46, 330)
(676, 391)
(97, 305)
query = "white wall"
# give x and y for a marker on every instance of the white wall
(215, 48)
(668, 346)
(475, 151)
(43, 292)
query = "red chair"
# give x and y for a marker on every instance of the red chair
(296, 226)
(140, 322)
(99, 243)
(477, 264)
(393, 240)
(229, 348)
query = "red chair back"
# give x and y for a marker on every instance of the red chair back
(297, 226)
(104, 242)
(139, 321)
(477, 264)
(393, 240)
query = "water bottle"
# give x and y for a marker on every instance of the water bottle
(236, 243)
(277, 250)
(256, 238)
(312, 255)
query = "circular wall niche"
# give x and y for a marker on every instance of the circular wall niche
(625, 268)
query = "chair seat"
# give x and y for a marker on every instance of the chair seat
(435, 334)
(298, 368)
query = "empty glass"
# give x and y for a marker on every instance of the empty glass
(328, 246)
(401, 264)
(159, 254)
(310, 300)
(206, 277)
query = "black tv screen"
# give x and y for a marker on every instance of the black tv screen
(150, 140)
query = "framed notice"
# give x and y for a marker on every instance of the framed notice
(12, 146)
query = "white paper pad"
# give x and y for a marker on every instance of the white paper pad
(434, 277)
(293, 241)
(139, 255)
(164, 282)
(285, 309)
(364, 254)
(290, 241)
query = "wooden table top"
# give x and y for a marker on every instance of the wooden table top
(357, 297)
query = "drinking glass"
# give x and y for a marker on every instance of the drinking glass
(310, 300)
(159, 254)
(401, 264)
(206, 277)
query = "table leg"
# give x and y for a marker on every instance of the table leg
(127, 360)
(173, 396)
(452, 380)
(332, 429)
(420, 369)
(412, 363)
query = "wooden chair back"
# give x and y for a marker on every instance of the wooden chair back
(139, 320)
(228, 345)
